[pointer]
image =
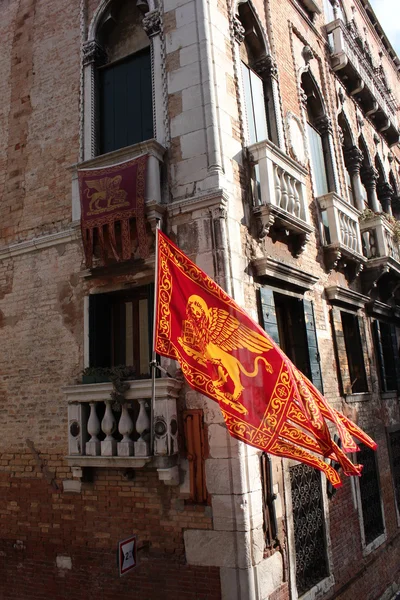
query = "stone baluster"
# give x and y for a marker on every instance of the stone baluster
(125, 428)
(108, 426)
(297, 203)
(285, 195)
(278, 191)
(369, 176)
(142, 425)
(93, 426)
(291, 204)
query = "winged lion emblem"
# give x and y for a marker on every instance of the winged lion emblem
(209, 335)
(106, 194)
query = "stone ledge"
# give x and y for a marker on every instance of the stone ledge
(40, 243)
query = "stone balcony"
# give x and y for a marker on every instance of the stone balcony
(280, 197)
(341, 232)
(99, 435)
(380, 245)
(361, 79)
(155, 152)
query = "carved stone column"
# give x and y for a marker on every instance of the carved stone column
(267, 68)
(152, 23)
(369, 177)
(353, 158)
(324, 127)
(94, 56)
(385, 193)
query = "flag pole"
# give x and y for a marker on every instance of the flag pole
(154, 354)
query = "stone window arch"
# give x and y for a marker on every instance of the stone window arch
(320, 137)
(122, 70)
(259, 79)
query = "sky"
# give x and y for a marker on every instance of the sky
(388, 13)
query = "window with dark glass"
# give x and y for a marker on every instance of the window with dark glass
(290, 322)
(120, 325)
(126, 110)
(394, 453)
(387, 351)
(354, 352)
(309, 527)
(370, 495)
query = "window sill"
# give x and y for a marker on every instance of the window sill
(320, 589)
(391, 395)
(359, 397)
(381, 539)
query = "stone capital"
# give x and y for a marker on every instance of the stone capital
(152, 23)
(238, 30)
(324, 125)
(353, 158)
(385, 191)
(266, 67)
(94, 53)
(369, 176)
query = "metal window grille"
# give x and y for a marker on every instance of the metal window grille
(370, 495)
(309, 530)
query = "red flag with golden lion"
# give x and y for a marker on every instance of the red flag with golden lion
(265, 400)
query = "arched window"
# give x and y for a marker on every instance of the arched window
(118, 87)
(369, 177)
(383, 187)
(259, 80)
(319, 133)
(125, 114)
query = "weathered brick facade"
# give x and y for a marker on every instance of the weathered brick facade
(63, 513)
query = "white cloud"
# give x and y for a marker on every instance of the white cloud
(388, 13)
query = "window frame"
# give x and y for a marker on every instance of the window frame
(391, 431)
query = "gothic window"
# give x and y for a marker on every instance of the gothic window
(394, 453)
(387, 351)
(125, 111)
(318, 133)
(258, 79)
(351, 352)
(309, 527)
(290, 322)
(118, 87)
(120, 329)
(372, 516)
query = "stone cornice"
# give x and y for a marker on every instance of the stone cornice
(41, 243)
(213, 199)
(270, 267)
(339, 294)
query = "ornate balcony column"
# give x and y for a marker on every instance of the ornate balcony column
(385, 193)
(267, 68)
(353, 158)
(369, 177)
(324, 127)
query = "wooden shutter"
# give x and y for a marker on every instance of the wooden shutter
(194, 438)
(341, 355)
(270, 524)
(312, 342)
(268, 313)
(379, 353)
(126, 107)
(99, 331)
(396, 357)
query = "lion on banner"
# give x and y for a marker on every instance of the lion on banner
(209, 335)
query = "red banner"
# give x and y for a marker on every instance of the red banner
(266, 401)
(109, 195)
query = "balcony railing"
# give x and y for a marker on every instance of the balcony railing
(280, 194)
(340, 221)
(379, 240)
(102, 433)
(362, 79)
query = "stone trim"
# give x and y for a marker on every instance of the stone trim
(276, 269)
(216, 199)
(339, 294)
(41, 243)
